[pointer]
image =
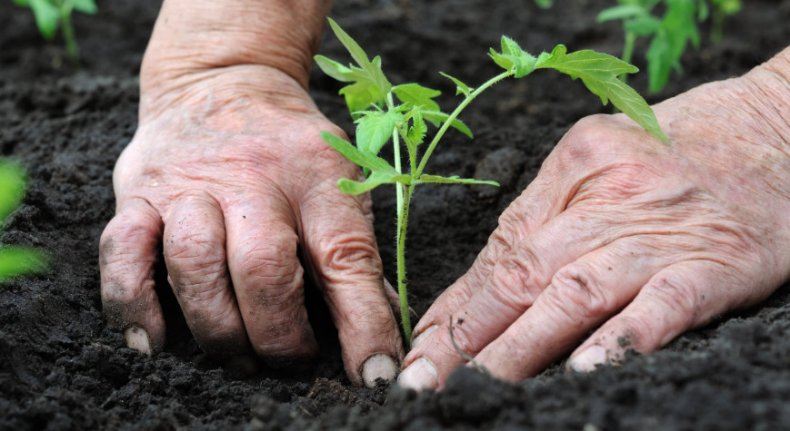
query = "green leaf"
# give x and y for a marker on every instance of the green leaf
(357, 156)
(643, 26)
(47, 17)
(16, 261)
(620, 12)
(375, 179)
(418, 129)
(678, 29)
(370, 85)
(436, 179)
(544, 4)
(414, 94)
(460, 86)
(599, 72)
(334, 69)
(12, 188)
(437, 118)
(374, 130)
(22, 3)
(85, 6)
(512, 58)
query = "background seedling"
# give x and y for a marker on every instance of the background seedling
(384, 112)
(51, 14)
(15, 260)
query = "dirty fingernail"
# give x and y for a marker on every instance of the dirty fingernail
(137, 339)
(419, 376)
(588, 359)
(422, 336)
(379, 366)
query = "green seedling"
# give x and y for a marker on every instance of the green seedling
(401, 113)
(51, 14)
(15, 260)
(670, 34)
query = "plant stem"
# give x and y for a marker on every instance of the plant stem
(72, 49)
(396, 157)
(628, 51)
(403, 223)
(453, 116)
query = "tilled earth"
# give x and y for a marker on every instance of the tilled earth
(61, 368)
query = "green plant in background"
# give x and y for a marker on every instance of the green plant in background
(15, 260)
(384, 112)
(721, 10)
(669, 34)
(51, 14)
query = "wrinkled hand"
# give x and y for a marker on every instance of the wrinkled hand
(626, 239)
(228, 172)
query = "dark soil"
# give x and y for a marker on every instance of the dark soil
(62, 368)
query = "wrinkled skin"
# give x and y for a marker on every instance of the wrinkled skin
(228, 172)
(626, 239)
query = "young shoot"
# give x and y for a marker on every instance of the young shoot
(51, 14)
(401, 114)
(14, 260)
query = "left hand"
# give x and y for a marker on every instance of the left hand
(626, 238)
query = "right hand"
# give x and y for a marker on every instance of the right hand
(228, 171)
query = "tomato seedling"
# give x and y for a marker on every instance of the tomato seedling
(670, 34)
(401, 113)
(51, 14)
(15, 260)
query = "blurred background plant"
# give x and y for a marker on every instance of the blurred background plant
(15, 260)
(53, 14)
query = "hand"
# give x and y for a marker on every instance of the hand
(626, 238)
(228, 171)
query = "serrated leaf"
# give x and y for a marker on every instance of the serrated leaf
(85, 6)
(360, 96)
(418, 129)
(375, 179)
(351, 45)
(12, 188)
(414, 94)
(599, 72)
(47, 17)
(437, 179)
(620, 12)
(513, 58)
(334, 69)
(460, 86)
(357, 156)
(374, 130)
(643, 25)
(16, 261)
(436, 118)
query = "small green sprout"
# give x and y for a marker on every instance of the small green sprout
(401, 113)
(14, 260)
(51, 14)
(669, 35)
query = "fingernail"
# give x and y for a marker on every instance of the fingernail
(588, 359)
(419, 376)
(422, 336)
(379, 366)
(137, 339)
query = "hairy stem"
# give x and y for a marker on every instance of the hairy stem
(453, 116)
(403, 223)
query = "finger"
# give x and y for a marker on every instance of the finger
(581, 296)
(127, 255)
(341, 247)
(194, 249)
(268, 278)
(683, 296)
(537, 204)
(514, 283)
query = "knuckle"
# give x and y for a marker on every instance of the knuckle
(348, 255)
(576, 293)
(675, 292)
(513, 280)
(271, 263)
